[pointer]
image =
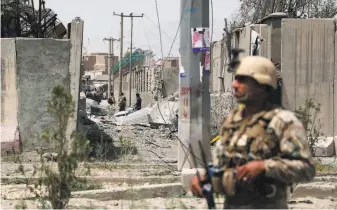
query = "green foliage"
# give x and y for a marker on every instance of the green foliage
(308, 115)
(137, 55)
(127, 149)
(70, 152)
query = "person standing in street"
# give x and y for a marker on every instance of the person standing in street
(122, 102)
(111, 99)
(263, 148)
(138, 104)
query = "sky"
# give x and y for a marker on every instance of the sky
(99, 22)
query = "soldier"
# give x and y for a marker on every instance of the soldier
(263, 148)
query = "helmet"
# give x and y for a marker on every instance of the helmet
(259, 68)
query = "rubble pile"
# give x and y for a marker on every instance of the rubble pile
(152, 144)
(147, 130)
(151, 130)
(221, 105)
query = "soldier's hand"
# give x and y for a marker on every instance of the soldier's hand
(250, 171)
(195, 186)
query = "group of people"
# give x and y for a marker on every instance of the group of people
(122, 101)
(95, 95)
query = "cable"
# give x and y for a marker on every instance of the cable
(158, 27)
(210, 49)
(186, 154)
(147, 37)
(161, 42)
(164, 62)
(175, 36)
(178, 138)
(174, 169)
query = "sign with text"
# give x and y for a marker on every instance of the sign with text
(185, 90)
(200, 39)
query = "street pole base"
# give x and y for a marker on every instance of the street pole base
(187, 174)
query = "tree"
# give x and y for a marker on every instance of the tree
(251, 11)
(70, 152)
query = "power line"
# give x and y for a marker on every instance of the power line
(111, 55)
(161, 42)
(164, 32)
(121, 52)
(181, 18)
(183, 145)
(147, 37)
(212, 26)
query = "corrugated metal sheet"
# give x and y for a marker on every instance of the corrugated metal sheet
(308, 66)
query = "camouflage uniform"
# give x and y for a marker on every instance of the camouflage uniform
(274, 135)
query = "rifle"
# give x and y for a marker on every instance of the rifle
(206, 184)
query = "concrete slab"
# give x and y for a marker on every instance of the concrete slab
(325, 147)
(163, 111)
(319, 190)
(41, 65)
(139, 117)
(9, 98)
(134, 193)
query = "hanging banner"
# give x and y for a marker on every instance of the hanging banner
(200, 39)
(207, 61)
(181, 69)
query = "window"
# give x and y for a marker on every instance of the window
(174, 63)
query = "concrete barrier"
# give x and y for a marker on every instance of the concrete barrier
(31, 68)
(163, 111)
(9, 103)
(41, 65)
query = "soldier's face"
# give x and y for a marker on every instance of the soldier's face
(247, 89)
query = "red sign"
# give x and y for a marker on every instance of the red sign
(185, 90)
(185, 101)
(185, 113)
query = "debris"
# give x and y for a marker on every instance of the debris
(50, 156)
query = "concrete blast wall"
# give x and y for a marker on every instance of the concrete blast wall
(9, 99)
(170, 80)
(308, 53)
(41, 65)
(31, 69)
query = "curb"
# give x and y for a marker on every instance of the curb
(319, 190)
(133, 193)
(100, 179)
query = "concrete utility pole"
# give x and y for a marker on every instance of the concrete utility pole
(76, 41)
(130, 75)
(121, 52)
(120, 56)
(194, 96)
(111, 55)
